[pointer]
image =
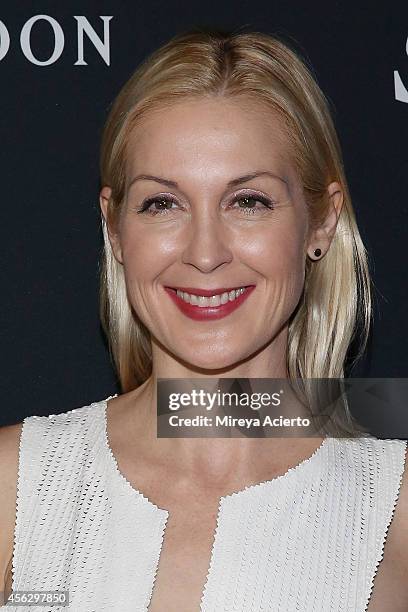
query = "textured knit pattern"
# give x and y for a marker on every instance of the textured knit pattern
(308, 541)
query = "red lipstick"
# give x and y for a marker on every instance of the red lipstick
(207, 313)
(204, 292)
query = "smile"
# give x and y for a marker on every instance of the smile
(215, 304)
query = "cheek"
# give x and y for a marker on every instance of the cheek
(276, 253)
(145, 253)
(279, 259)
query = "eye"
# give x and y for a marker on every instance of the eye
(246, 204)
(162, 201)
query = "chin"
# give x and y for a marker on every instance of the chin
(210, 362)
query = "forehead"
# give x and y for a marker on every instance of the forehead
(210, 134)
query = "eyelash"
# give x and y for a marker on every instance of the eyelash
(145, 207)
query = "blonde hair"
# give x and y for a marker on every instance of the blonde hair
(336, 300)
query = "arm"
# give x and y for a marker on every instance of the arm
(391, 581)
(9, 449)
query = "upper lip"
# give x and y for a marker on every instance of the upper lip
(207, 292)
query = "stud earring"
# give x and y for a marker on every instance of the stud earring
(317, 252)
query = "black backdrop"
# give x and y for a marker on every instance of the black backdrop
(53, 106)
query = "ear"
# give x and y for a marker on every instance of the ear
(322, 236)
(104, 197)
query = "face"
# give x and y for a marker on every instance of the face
(203, 222)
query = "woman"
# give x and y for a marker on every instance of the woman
(221, 170)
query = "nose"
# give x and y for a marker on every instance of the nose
(207, 245)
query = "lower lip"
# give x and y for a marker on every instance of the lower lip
(208, 313)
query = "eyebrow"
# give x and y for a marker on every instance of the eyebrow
(232, 183)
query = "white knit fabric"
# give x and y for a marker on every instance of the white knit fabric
(308, 541)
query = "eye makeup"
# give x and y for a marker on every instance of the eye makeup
(244, 196)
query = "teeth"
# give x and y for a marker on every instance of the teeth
(214, 300)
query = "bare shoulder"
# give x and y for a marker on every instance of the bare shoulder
(396, 546)
(398, 532)
(390, 589)
(9, 450)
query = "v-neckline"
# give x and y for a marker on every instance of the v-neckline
(290, 472)
(304, 465)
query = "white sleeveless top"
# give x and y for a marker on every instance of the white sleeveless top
(309, 540)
